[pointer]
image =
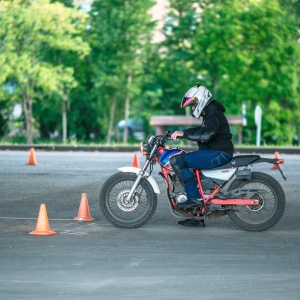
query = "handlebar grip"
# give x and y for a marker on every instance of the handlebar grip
(169, 133)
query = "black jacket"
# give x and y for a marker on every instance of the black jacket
(214, 133)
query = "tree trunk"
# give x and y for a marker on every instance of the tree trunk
(27, 108)
(127, 108)
(111, 120)
(216, 87)
(64, 122)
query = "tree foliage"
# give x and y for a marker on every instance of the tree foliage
(249, 51)
(119, 33)
(175, 70)
(28, 31)
(242, 50)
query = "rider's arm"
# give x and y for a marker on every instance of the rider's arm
(190, 131)
(206, 132)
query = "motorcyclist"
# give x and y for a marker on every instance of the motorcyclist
(213, 138)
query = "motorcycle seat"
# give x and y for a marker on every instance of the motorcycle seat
(239, 161)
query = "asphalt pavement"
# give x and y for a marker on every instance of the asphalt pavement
(160, 260)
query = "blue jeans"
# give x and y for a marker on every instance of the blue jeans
(201, 159)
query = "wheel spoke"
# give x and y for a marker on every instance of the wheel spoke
(123, 209)
(271, 203)
(267, 204)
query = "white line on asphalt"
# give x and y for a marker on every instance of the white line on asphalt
(12, 218)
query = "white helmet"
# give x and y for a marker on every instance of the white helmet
(198, 96)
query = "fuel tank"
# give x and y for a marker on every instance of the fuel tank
(164, 160)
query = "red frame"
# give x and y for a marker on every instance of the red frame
(217, 201)
(209, 198)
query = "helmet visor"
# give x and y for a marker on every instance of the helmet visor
(188, 101)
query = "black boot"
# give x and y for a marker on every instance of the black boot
(191, 203)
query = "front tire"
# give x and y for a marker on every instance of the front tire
(120, 212)
(272, 203)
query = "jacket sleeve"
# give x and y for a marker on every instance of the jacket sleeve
(190, 131)
(206, 132)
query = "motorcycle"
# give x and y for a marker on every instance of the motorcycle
(255, 201)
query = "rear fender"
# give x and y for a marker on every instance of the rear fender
(150, 178)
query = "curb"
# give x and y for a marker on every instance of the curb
(40, 147)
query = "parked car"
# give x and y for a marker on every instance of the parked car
(135, 128)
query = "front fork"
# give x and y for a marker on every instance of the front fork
(142, 172)
(138, 179)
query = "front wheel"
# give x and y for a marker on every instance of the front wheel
(120, 212)
(271, 203)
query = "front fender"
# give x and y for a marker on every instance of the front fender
(148, 177)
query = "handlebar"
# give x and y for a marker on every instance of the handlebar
(169, 133)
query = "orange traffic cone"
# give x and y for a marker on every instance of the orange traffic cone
(84, 211)
(42, 225)
(276, 156)
(135, 162)
(31, 160)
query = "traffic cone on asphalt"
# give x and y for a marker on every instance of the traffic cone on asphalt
(42, 225)
(276, 156)
(31, 160)
(84, 211)
(135, 162)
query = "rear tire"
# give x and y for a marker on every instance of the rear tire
(271, 208)
(127, 214)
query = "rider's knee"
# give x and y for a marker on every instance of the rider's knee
(177, 160)
(173, 160)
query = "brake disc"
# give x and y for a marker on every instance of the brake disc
(127, 205)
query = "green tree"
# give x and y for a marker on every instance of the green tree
(67, 3)
(248, 50)
(175, 72)
(28, 31)
(119, 34)
(5, 112)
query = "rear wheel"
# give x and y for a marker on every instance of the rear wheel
(122, 213)
(271, 203)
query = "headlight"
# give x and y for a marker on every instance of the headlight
(143, 149)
